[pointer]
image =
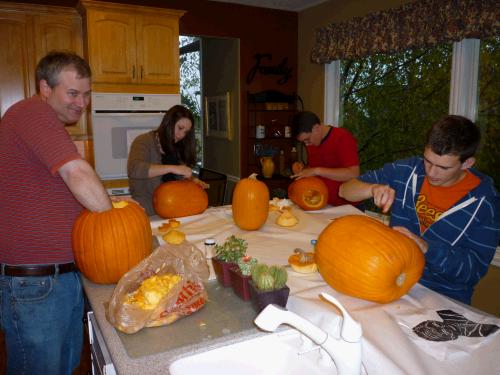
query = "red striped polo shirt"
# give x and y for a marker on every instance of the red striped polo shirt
(37, 210)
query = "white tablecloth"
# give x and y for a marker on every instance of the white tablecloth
(389, 344)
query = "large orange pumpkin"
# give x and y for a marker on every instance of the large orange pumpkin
(309, 193)
(179, 198)
(108, 244)
(250, 204)
(361, 257)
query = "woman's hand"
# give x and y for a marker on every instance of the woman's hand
(422, 244)
(182, 170)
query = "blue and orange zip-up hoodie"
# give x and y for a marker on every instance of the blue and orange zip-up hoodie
(462, 242)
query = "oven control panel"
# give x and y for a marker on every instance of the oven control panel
(133, 102)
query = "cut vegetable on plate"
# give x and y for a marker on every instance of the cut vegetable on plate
(174, 237)
(302, 262)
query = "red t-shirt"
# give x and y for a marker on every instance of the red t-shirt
(37, 210)
(337, 150)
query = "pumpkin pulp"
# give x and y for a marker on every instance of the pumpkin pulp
(313, 198)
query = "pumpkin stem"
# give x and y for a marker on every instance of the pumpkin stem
(253, 176)
(401, 279)
(304, 257)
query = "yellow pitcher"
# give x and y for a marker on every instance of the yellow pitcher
(267, 164)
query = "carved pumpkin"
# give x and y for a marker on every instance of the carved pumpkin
(179, 198)
(250, 203)
(309, 193)
(108, 244)
(361, 257)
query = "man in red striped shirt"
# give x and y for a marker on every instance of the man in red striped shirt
(44, 185)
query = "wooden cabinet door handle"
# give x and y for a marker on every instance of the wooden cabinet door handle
(133, 71)
(142, 71)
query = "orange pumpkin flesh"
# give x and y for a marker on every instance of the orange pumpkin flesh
(303, 262)
(361, 257)
(309, 193)
(179, 198)
(297, 167)
(108, 244)
(250, 204)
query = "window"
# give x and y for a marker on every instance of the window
(190, 83)
(489, 108)
(389, 101)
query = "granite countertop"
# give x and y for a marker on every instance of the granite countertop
(158, 362)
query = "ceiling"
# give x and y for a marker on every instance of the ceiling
(290, 5)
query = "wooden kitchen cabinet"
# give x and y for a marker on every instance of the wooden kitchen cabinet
(132, 48)
(16, 67)
(55, 31)
(29, 32)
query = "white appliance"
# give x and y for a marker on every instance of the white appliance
(116, 120)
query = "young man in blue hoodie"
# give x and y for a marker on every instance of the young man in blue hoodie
(449, 209)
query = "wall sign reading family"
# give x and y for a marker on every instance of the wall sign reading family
(282, 70)
(218, 116)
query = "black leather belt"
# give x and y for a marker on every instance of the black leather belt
(36, 269)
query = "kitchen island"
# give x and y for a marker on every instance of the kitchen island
(389, 343)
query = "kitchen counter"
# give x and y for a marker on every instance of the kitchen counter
(389, 344)
(133, 360)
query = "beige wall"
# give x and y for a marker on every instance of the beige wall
(487, 294)
(311, 76)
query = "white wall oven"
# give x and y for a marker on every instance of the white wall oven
(116, 120)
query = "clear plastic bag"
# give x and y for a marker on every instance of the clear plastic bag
(186, 297)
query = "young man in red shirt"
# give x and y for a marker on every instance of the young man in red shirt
(332, 153)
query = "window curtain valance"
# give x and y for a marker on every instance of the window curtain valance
(423, 23)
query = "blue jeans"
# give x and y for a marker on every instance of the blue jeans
(42, 320)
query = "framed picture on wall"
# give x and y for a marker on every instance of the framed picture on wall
(218, 116)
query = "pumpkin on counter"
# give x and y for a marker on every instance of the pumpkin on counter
(361, 257)
(309, 193)
(179, 198)
(108, 244)
(250, 204)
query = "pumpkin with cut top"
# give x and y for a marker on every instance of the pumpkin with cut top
(106, 245)
(309, 193)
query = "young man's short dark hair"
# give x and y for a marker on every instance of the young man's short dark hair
(303, 122)
(454, 135)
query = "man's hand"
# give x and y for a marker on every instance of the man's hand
(383, 196)
(422, 244)
(306, 172)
